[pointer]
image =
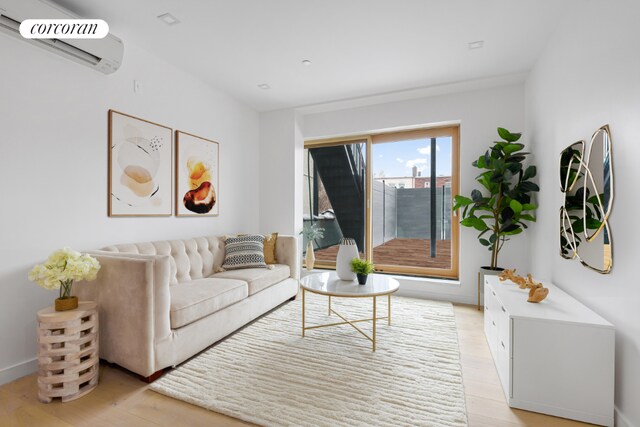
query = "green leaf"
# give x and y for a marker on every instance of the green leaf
(529, 186)
(514, 231)
(476, 196)
(507, 176)
(512, 148)
(508, 136)
(474, 222)
(485, 242)
(593, 224)
(460, 201)
(480, 163)
(530, 172)
(577, 226)
(516, 206)
(529, 207)
(516, 158)
(528, 217)
(514, 167)
(510, 228)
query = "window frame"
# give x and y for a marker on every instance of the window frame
(373, 138)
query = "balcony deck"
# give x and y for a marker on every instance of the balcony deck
(401, 252)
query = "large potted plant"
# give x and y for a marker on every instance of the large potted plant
(502, 207)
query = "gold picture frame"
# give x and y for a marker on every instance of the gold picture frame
(139, 167)
(197, 175)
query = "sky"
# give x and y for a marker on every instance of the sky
(395, 159)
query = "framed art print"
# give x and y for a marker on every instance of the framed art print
(197, 176)
(139, 167)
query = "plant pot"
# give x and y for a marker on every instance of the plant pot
(348, 251)
(64, 304)
(310, 259)
(362, 279)
(485, 271)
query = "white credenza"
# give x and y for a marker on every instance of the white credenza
(555, 357)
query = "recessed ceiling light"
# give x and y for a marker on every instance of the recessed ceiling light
(476, 45)
(264, 86)
(306, 62)
(168, 19)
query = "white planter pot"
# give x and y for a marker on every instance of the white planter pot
(348, 251)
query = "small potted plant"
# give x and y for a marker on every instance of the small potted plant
(60, 270)
(362, 269)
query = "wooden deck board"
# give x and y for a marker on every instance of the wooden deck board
(401, 252)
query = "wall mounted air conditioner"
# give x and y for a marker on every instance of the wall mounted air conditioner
(104, 55)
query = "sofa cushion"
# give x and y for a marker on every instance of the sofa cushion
(196, 299)
(270, 248)
(257, 278)
(191, 259)
(244, 252)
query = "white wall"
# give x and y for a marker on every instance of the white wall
(589, 75)
(479, 113)
(53, 168)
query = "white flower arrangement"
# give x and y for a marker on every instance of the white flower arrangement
(62, 268)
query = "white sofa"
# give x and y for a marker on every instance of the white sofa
(162, 302)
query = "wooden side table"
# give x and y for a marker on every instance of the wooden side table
(67, 352)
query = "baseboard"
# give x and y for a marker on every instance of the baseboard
(438, 296)
(621, 420)
(18, 370)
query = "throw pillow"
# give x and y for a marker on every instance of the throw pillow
(270, 248)
(244, 252)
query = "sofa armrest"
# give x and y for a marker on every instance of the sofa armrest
(132, 292)
(287, 253)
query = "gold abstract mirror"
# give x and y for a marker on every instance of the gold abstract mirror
(587, 184)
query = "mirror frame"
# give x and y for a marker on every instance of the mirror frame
(584, 173)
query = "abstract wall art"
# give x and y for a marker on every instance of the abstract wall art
(197, 175)
(139, 167)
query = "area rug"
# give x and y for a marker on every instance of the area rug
(269, 375)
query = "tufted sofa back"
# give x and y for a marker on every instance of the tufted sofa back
(190, 258)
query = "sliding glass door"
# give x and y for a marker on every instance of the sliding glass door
(335, 187)
(392, 193)
(413, 179)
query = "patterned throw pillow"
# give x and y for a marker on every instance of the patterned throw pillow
(270, 248)
(244, 252)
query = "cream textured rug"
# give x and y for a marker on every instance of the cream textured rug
(269, 375)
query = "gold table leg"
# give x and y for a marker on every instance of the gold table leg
(345, 321)
(374, 323)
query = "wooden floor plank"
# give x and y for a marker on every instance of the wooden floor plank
(121, 399)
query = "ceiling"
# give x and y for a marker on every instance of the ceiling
(357, 47)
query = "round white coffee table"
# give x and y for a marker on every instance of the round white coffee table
(330, 285)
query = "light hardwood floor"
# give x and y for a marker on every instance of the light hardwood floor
(122, 400)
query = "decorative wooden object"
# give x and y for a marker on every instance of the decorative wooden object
(537, 292)
(67, 352)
